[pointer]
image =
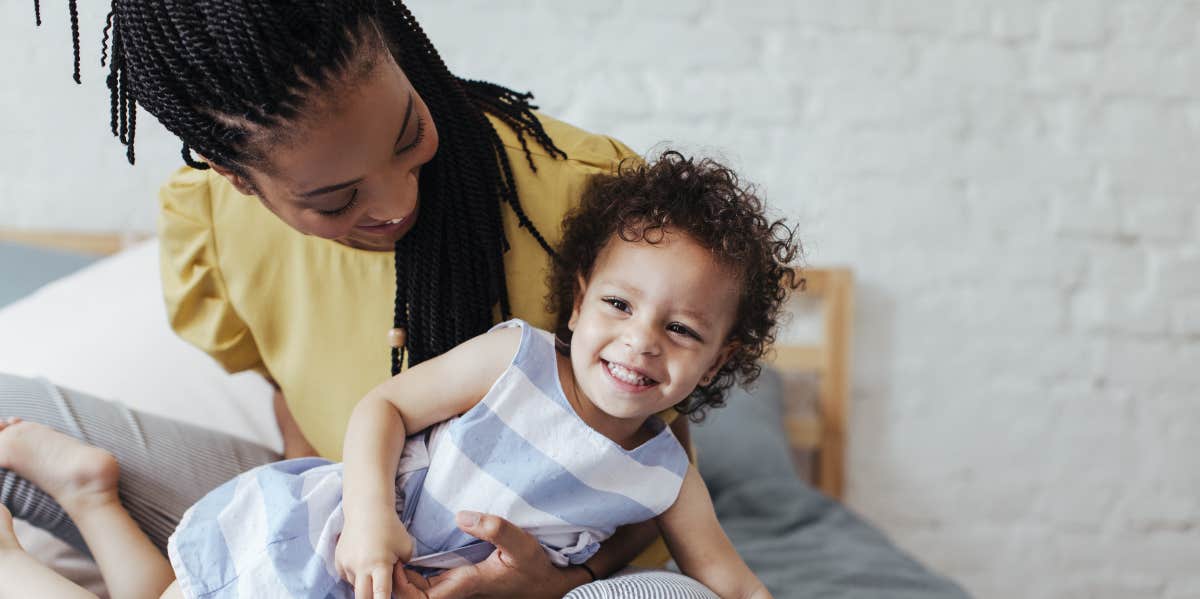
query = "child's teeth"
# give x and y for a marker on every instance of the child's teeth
(626, 375)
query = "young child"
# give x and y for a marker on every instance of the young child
(668, 283)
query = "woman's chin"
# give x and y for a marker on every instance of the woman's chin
(369, 243)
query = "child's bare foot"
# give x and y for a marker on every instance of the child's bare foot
(76, 475)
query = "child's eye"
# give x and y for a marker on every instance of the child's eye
(344, 207)
(679, 329)
(617, 303)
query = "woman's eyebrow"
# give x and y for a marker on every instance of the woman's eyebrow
(344, 184)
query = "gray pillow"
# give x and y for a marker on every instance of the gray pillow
(23, 269)
(799, 542)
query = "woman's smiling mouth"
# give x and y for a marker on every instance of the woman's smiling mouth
(385, 227)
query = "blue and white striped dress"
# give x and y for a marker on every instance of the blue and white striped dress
(521, 453)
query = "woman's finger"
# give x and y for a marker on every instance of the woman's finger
(400, 584)
(406, 588)
(462, 581)
(515, 545)
(416, 580)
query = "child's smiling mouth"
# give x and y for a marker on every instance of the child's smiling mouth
(627, 376)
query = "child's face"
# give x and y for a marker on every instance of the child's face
(650, 324)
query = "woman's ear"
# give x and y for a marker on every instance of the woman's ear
(240, 182)
(580, 289)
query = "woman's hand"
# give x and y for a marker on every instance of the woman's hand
(517, 568)
(371, 553)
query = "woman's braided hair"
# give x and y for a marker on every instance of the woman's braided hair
(226, 76)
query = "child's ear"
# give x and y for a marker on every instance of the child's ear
(580, 288)
(722, 357)
(240, 182)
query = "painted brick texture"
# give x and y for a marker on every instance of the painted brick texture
(1014, 182)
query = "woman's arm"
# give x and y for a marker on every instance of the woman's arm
(295, 445)
(700, 547)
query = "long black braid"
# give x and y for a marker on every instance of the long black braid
(220, 74)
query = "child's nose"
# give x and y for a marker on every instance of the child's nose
(641, 339)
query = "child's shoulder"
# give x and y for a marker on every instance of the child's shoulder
(508, 344)
(498, 343)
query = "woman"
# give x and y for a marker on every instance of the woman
(344, 194)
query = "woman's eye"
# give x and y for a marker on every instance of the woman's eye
(416, 140)
(616, 303)
(342, 210)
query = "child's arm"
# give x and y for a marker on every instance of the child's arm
(373, 539)
(700, 547)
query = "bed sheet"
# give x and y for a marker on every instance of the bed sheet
(802, 544)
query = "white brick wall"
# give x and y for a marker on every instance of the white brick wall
(1014, 182)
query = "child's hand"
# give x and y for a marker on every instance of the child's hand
(371, 553)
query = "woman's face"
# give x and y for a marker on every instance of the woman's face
(349, 173)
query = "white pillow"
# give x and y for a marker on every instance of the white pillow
(103, 330)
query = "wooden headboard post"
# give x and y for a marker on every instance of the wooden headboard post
(79, 242)
(829, 360)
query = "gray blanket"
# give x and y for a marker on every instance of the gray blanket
(800, 543)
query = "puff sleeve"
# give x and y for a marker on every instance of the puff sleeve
(198, 302)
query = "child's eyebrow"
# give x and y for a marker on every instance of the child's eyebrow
(621, 286)
(699, 316)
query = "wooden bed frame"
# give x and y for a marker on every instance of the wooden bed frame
(817, 432)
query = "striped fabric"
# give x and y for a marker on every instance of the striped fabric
(643, 584)
(521, 453)
(166, 465)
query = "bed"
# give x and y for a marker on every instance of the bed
(84, 310)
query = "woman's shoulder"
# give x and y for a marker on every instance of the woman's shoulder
(586, 151)
(204, 197)
(200, 193)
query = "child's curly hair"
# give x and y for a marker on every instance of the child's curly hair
(706, 201)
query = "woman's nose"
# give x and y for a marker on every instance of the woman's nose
(395, 197)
